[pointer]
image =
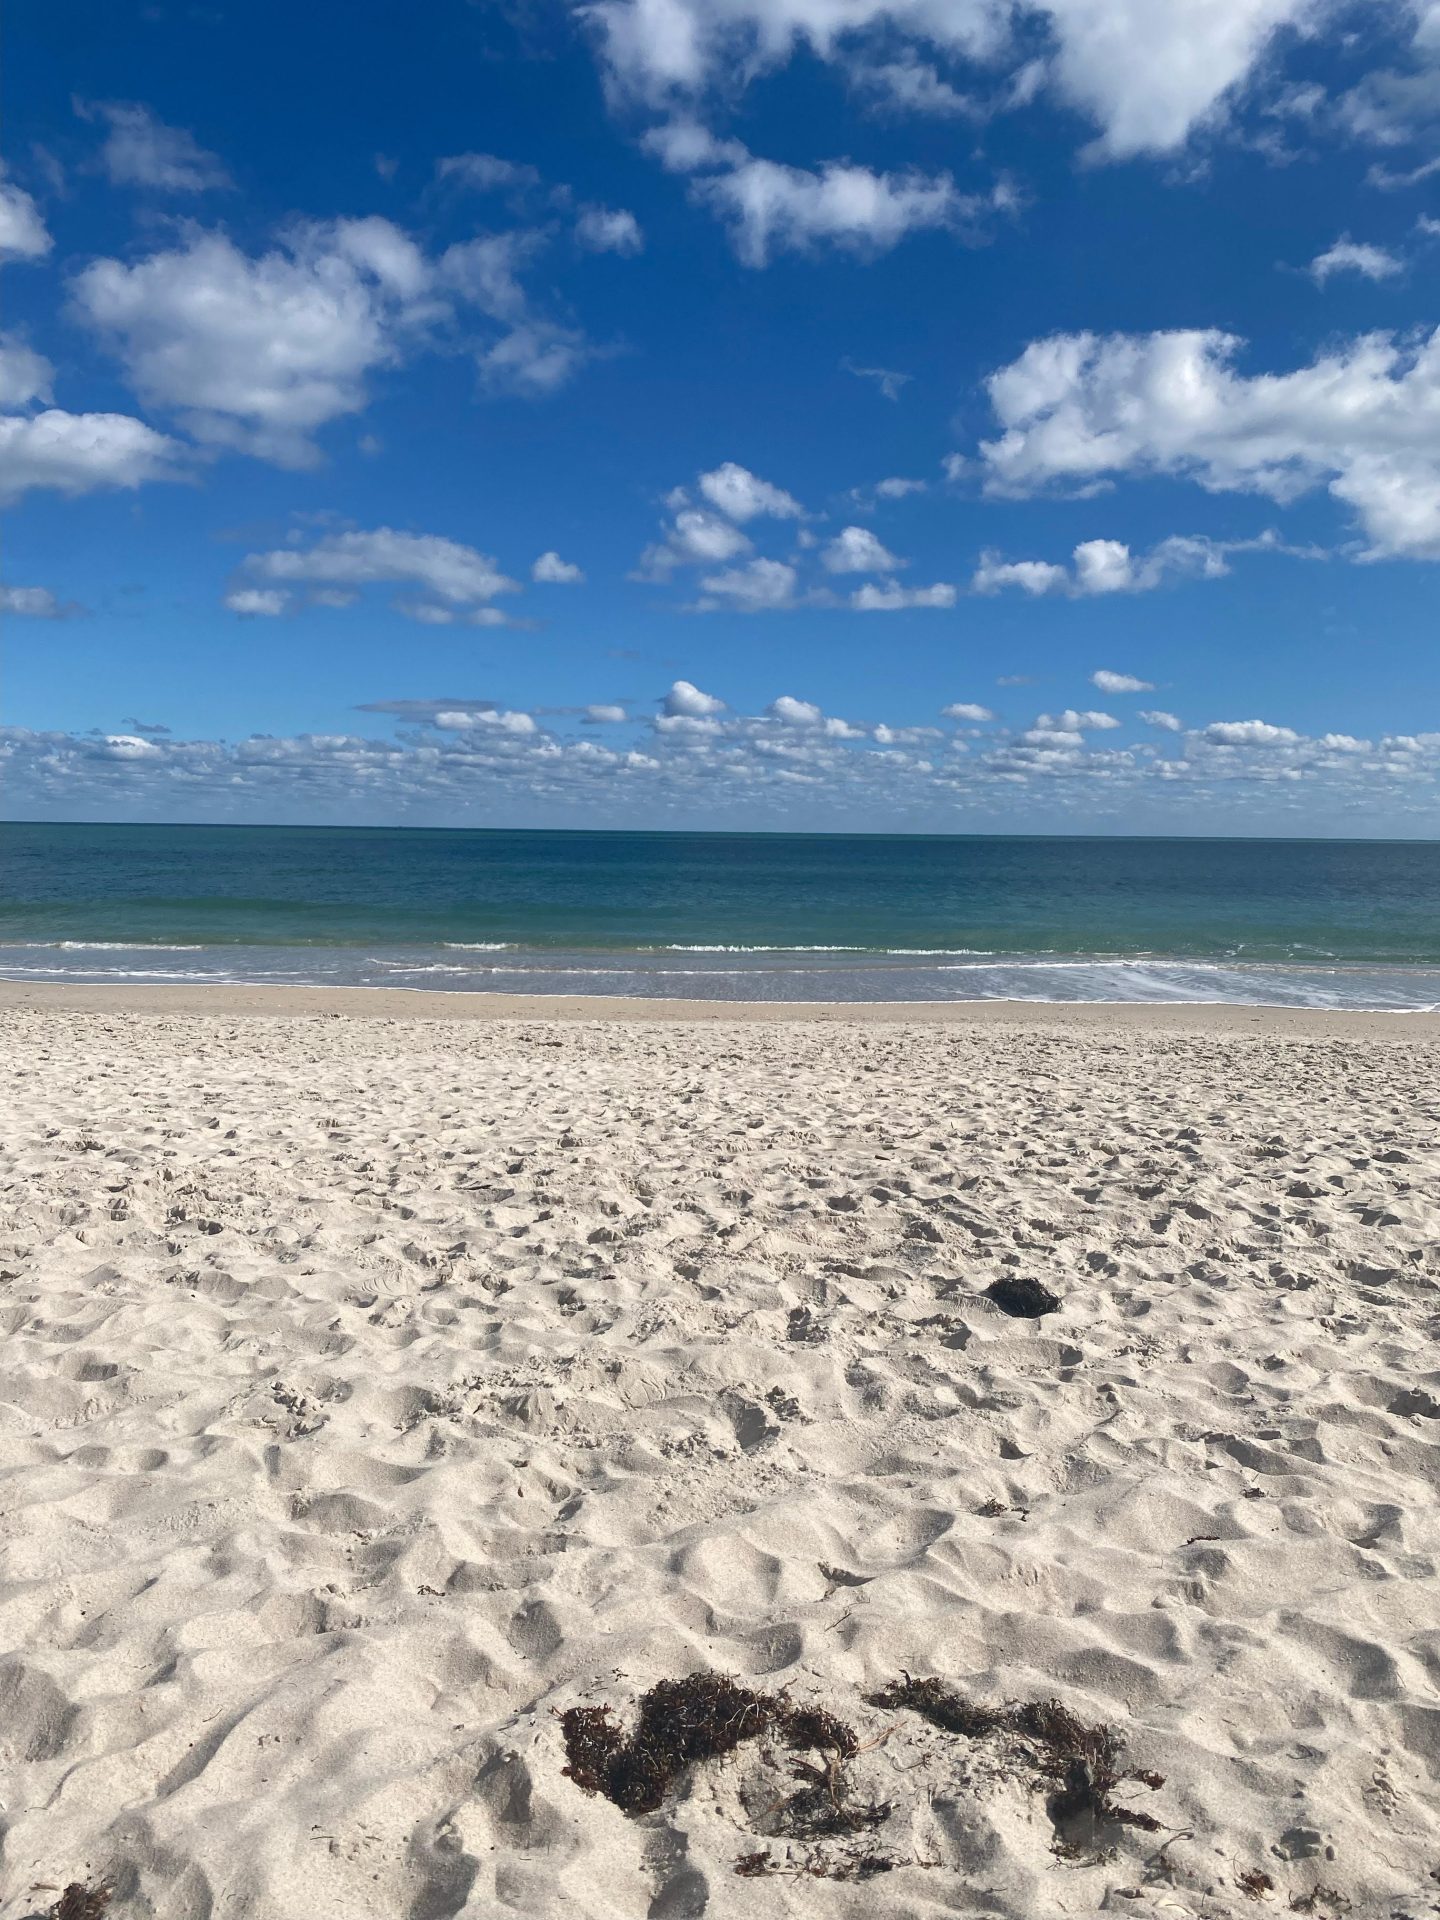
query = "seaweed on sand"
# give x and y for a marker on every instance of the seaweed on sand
(81, 1901)
(1080, 1764)
(680, 1722)
(1021, 1297)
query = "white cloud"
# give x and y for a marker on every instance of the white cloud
(1108, 566)
(1354, 256)
(554, 571)
(967, 710)
(1109, 682)
(796, 713)
(469, 760)
(1156, 717)
(459, 578)
(496, 719)
(1249, 733)
(141, 151)
(609, 230)
(1146, 73)
(1072, 722)
(693, 538)
(757, 586)
(80, 452)
(32, 603)
(267, 602)
(23, 235)
(856, 550)
(257, 354)
(890, 383)
(24, 374)
(771, 208)
(1103, 566)
(742, 496)
(897, 487)
(1363, 418)
(485, 171)
(606, 715)
(889, 596)
(1031, 576)
(686, 700)
(911, 85)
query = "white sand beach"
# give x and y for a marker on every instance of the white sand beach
(375, 1390)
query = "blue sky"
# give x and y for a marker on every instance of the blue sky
(933, 414)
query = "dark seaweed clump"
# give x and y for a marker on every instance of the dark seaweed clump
(1021, 1297)
(680, 1722)
(81, 1902)
(1079, 1763)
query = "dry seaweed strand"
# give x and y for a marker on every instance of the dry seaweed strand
(1080, 1763)
(80, 1901)
(680, 1722)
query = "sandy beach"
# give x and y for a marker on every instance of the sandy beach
(387, 1375)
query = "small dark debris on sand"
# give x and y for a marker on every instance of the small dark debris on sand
(1021, 1297)
(1079, 1764)
(1255, 1883)
(682, 1721)
(865, 1866)
(80, 1901)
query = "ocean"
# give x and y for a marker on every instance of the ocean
(793, 917)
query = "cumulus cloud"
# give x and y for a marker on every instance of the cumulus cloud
(1354, 256)
(742, 496)
(1147, 75)
(459, 579)
(967, 710)
(264, 602)
(711, 534)
(1034, 577)
(770, 208)
(1109, 682)
(856, 550)
(685, 699)
(693, 538)
(888, 596)
(1361, 419)
(609, 230)
(1157, 717)
(604, 714)
(553, 571)
(796, 713)
(756, 587)
(1072, 722)
(496, 719)
(259, 353)
(141, 151)
(24, 374)
(1249, 733)
(75, 453)
(23, 234)
(470, 759)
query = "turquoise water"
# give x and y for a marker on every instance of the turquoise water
(752, 916)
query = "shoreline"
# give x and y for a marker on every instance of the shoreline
(231, 1001)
